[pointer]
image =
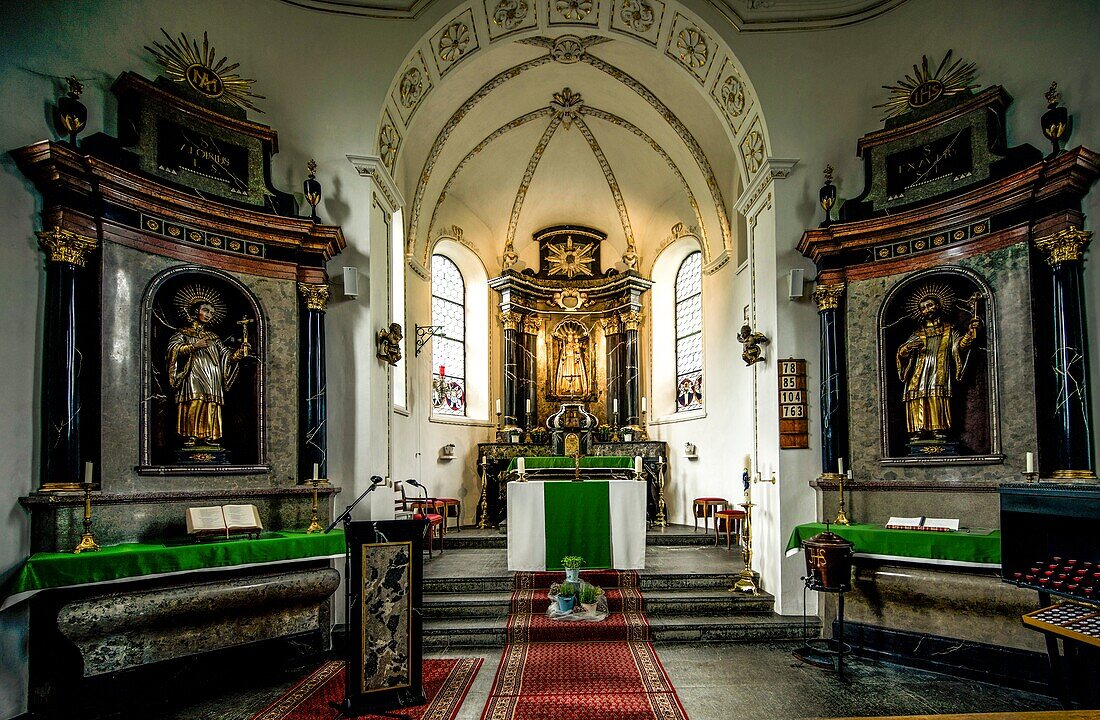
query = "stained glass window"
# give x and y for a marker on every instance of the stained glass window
(449, 343)
(689, 333)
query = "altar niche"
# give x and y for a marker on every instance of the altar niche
(203, 409)
(936, 365)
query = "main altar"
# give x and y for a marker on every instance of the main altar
(571, 384)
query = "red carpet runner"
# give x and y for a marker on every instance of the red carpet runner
(446, 683)
(579, 670)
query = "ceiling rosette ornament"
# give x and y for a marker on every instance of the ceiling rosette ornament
(638, 15)
(573, 9)
(691, 47)
(508, 14)
(568, 106)
(453, 42)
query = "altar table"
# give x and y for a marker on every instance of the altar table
(603, 521)
(978, 549)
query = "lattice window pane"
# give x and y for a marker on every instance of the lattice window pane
(449, 344)
(450, 317)
(450, 354)
(689, 333)
(447, 280)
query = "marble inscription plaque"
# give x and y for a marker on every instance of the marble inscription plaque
(387, 616)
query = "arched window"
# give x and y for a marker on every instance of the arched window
(449, 343)
(689, 333)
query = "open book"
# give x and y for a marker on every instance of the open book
(223, 520)
(923, 523)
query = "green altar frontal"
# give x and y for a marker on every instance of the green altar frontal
(960, 548)
(42, 571)
(589, 461)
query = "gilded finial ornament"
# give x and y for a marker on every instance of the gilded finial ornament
(184, 62)
(827, 195)
(70, 115)
(1055, 120)
(312, 190)
(923, 87)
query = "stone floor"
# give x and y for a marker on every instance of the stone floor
(748, 681)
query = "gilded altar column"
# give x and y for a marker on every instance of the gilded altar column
(66, 254)
(631, 322)
(513, 404)
(312, 386)
(834, 377)
(1072, 402)
(529, 370)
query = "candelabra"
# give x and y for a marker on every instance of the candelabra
(483, 524)
(87, 540)
(527, 427)
(746, 581)
(615, 437)
(660, 521)
(314, 521)
(841, 518)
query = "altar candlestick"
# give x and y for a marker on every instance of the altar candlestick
(1030, 461)
(498, 406)
(316, 469)
(638, 464)
(615, 405)
(840, 466)
(643, 403)
(88, 471)
(521, 465)
(527, 405)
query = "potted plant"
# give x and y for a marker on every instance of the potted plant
(588, 595)
(572, 565)
(603, 433)
(567, 595)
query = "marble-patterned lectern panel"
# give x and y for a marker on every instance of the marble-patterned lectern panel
(387, 616)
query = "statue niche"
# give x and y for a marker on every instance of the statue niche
(933, 357)
(203, 406)
(571, 369)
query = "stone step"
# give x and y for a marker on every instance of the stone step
(649, 582)
(659, 603)
(490, 632)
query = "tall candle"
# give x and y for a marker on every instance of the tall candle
(88, 472)
(1030, 461)
(498, 406)
(615, 405)
(527, 405)
(520, 464)
(316, 469)
(643, 403)
(638, 464)
(840, 466)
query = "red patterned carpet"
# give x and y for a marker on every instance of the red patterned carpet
(579, 670)
(446, 683)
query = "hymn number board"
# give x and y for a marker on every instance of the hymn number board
(794, 430)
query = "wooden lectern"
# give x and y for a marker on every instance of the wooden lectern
(384, 649)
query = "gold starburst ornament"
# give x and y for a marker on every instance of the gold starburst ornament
(925, 87)
(184, 62)
(570, 259)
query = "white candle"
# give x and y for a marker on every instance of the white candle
(615, 405)
(520, 464)
(88, 472)
(316, 469)
(643, 403)
(498, 406)
(638, 464)
(527, 405)
(1030, 462)
(840, 466)
(849, 474)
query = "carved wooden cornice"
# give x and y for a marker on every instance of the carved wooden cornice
(991, 216)
(82, 192)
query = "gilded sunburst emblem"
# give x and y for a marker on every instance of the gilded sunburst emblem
(184, 62)
(925, 87)
(571, 259)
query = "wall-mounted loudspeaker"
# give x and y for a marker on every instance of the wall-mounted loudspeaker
(794, 283)
(351, 282)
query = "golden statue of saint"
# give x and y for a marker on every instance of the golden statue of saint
(201, 368)
(571, 379)
(932, 360)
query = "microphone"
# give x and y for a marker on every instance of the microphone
(414, 483)
(375, 481)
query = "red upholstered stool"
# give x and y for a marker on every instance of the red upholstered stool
(704, 507)
(732, 520)
(435, 524)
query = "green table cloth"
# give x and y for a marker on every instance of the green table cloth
(589, 461)
(962, 548)
(130, 560)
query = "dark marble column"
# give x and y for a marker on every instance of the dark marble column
(312, 387)
(834, 377)
(630, 406)
(513, 386)
(529, 368)
(62, 361)
(1072, 401)
(613, 336)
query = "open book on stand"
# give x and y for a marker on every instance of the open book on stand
(923, 523)
(223, 520)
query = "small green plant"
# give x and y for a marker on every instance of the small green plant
(589, 593)
(567, 589)
(572, 562)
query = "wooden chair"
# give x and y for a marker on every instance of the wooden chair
(732, 520)
(435, 526)
(443, 506)
(704, 507)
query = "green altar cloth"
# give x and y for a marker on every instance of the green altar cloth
(968, 549)
(130, 560)
(588, 461)
(578, 522)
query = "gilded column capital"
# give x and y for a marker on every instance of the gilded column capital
(65, 246)
(511, 319)
(828, 297)
(610, 325)
(532, 324)
(1065, 245)
(632, 319)
(315, 295)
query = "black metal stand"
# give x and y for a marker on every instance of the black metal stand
(826, 653)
